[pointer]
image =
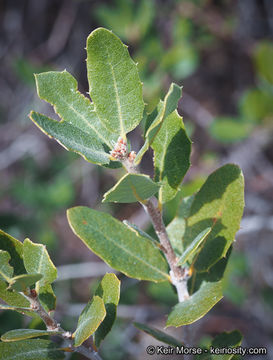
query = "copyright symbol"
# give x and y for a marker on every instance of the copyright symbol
(150, 350)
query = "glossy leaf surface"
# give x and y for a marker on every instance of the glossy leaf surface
(172, 149)
(219, 204)
(15, 248)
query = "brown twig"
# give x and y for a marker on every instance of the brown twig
(52, 325)
(178, 274)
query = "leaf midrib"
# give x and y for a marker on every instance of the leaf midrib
(85, 121)
(122, 130)
(81, 326)
(131, 254)
(40, 266)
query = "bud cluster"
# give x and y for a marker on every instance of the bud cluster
(120, 150)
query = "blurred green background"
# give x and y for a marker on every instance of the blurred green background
(221, 51)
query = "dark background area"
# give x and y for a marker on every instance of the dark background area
(221, 51)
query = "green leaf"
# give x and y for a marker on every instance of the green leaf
(215, 273)
(263, 60)
(15, 308)
(47, 297)
(31, 350)
(256, 105)
(126, 18)
(115, 87)
(118, 17)
(89, 320)
(175, 231)
(196, 306)
(180, 60)
(131, 188)
(229, 129)
(60, 89)
(158, 335)
(155, 119)
(15, 249)
(6, 271)
(12, 298)
(226, 340)
(37, 260)
(72, 138)
(219, 204)
(109, 291)
(193, 247)
(22, 334)
(172, 149)
(119, 246)
(176, 228)
(21, 282)
(138, 231)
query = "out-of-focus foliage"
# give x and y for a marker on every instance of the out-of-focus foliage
(136, 22)
(255, 105)
(228, 43)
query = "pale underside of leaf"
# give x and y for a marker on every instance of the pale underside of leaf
(12, 298)
(21, 334)
(72, 138)
(139, 232)
(176, 228)
(196, 306)
(60, 90)
(21, 282)
(132, 188)
(89, 320)
(163, 110)
(193, 247)
(15, 308)
(37, 260)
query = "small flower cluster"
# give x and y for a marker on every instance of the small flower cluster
(120, 150)
(132, 156)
